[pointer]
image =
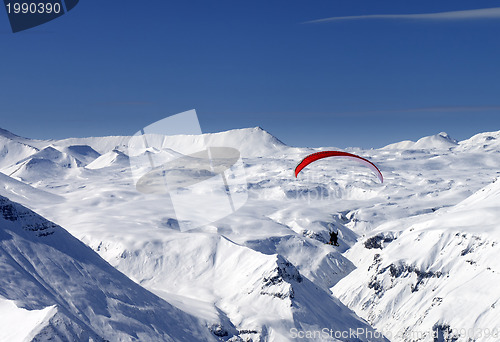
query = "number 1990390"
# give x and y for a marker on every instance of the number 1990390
(33, 8)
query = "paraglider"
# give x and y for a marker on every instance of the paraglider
(334, 238)
(324, 154)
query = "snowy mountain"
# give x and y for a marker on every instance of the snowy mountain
(46, 163)
(12, 151)
(83, 153)
(413, 251)
(23, 193)
(438, 141)
(416, 277)
(109, 159)
(20, 140)
(249, 141)
(60, 289)
(489, 142)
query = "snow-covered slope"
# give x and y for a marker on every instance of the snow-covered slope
(438, 141)
(37, 144)
(56, 156)
(431, 275)
(83, 153)
(12, 151)
(46, 163)
(113, 158)
(24, 193)
(265, 271)
(18, 324)
(253, 289)
(63, 290)
(487, 142)
(251, 142)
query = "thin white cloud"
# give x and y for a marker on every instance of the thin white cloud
(482, 13)
(437, 109)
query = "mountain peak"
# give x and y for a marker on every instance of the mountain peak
(446, 136)
(7, 134)
(441, 140)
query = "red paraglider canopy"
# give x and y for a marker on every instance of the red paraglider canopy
(324, 154)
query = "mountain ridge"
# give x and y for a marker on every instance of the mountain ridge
(51, 267)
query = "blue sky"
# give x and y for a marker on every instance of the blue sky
(369, 74)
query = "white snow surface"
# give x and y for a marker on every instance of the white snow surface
(65, 291)
(417, 254)
(109, 159)
(439, 272)
(18, 324)
(438, 141)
